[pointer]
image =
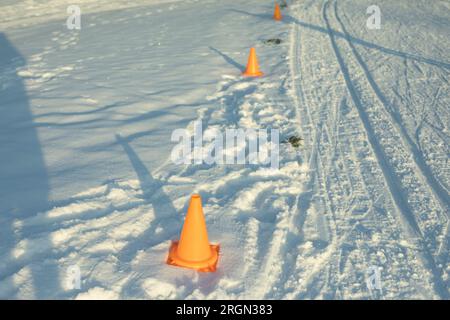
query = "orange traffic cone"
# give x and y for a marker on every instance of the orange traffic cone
(193, 250)
(252, 65)
(277, 14)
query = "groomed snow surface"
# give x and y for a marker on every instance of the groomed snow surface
(86, 178)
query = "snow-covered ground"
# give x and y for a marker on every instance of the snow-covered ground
(86, 178)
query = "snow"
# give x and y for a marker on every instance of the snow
(87, 180)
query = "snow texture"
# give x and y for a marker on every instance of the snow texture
(86, 178)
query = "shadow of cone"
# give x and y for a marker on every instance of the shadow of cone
(252, 65)
(277, 13)
(193, 250)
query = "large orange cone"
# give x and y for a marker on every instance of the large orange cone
(277, 14)
(252, 65)
(193, 250)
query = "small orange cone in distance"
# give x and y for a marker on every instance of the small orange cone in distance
(252, 65)
(277, 14)
(193, 250)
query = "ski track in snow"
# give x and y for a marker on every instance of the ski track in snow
(367, 188)
(391, 177)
